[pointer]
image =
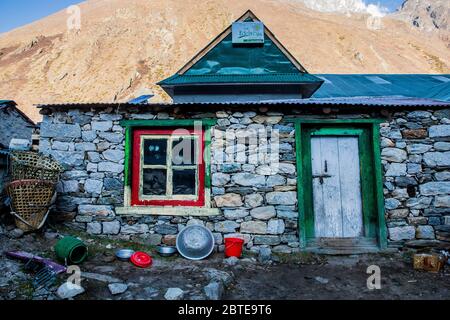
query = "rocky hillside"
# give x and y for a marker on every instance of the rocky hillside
(125, 47)
(427, 15)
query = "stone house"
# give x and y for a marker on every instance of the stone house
(253, 145)
(14, 124)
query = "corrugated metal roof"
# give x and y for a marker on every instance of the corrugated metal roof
(380, 85)
(395, 101)
(6, 101)
(178, 79)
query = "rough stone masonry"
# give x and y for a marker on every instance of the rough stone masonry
(255, 201)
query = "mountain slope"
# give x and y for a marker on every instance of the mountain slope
(124, 47)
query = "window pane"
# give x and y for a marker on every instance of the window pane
(155, 182)
(184, 182)
(183, 152)
(155, 151)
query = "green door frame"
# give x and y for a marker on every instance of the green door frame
(371, 174)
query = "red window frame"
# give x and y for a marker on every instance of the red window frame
(136, 170)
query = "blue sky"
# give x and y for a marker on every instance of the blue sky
(16, 13)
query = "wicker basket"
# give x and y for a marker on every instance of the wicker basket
(27, 165)
(30, 202)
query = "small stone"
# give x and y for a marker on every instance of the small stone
(253, 200)
(112, 227)
(263, 213)
(402, 233)
(101, 125)
(418, 203)
(266, 240)
(322, 280)
(275, 180)
(231, 261)
(394, 154)
(396, 170)
(264, 255)
(169, 240)
(435, 188)
(439, 131)
(16, 233)
(214, 290)
(226, 226)
(93, 186)
(286, 168)
(249, 180)
(50, 235)
(220, 179)
(110, 167)
(256, 227)
(174, 294)
(69, 290)
(418, 148)
(282, 198)
(442, 201)
(398, 213)
(114, 155)
(425, 232)
(137, 228)
(275, 226)
(442, 146)
(391, 204)
(95, 210)
(437, 159)
(214, 275)
(228, 200)
(117, 288)
(94, 228)
(234, 214)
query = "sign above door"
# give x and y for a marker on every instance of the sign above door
(248, 33)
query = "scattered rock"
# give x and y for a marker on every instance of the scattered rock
(117, 288)
(174, 294)
(218, 275)
(214, 290)
(151, 292)
(265, 255)
(50, 235)
(16, 233)
(322, 280)
(100, 277)
(231, 261)
(69, 290)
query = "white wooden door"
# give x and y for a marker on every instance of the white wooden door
(336, 187)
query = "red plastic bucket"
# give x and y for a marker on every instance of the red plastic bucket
(233, 247)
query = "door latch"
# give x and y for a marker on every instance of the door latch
(321, 177)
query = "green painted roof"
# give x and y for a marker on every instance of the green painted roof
(6, 101)
(225, 58)
(226, 63)
(383, 85)
(285, 78)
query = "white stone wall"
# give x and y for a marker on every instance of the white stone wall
(258, 200)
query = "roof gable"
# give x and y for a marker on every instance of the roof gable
(221, 57)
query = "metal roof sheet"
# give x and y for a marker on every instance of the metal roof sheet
(380, 85)
(394, 101)
(186, 79)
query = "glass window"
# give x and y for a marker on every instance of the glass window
(168, 169)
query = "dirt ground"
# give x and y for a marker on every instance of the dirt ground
(301, 276)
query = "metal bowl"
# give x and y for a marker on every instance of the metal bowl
(195, 242)
(166, 251)
(124, 254)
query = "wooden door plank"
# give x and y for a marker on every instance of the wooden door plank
(350, 182)
(319, 209)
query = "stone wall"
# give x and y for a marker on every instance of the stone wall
(416, 159)
(255, 200)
